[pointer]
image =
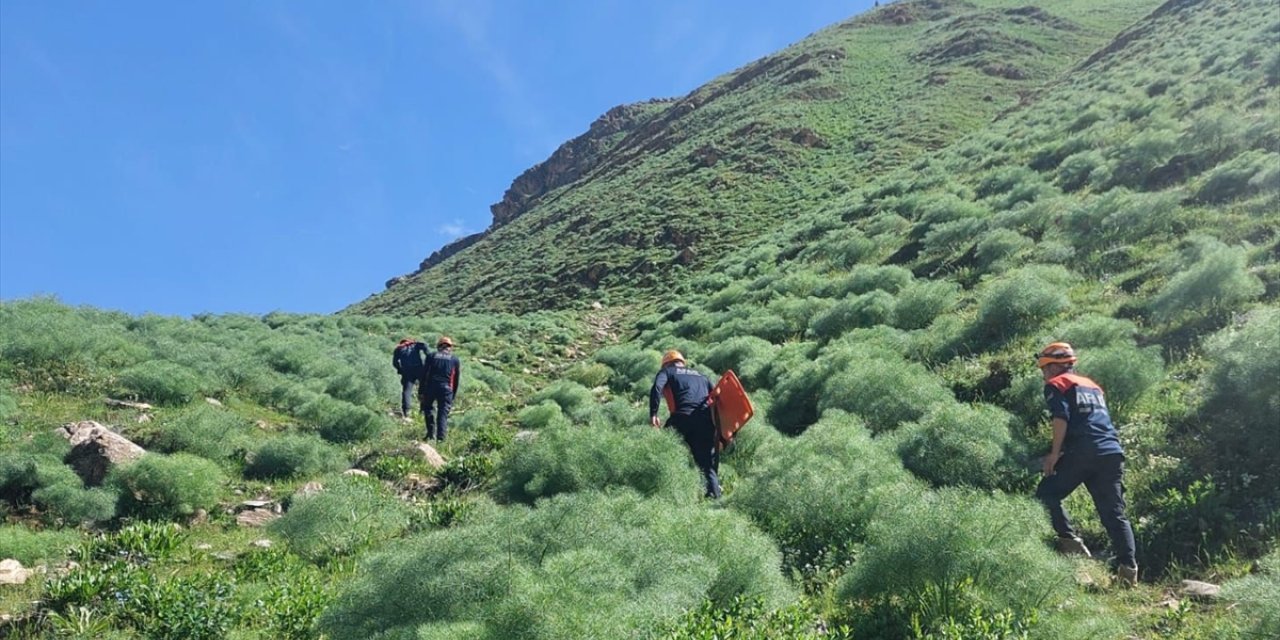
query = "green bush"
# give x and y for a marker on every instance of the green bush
(541, 416)
(1000, 246)
(338, 421)
(1251, 172)
(866, 278)
(565, 459)
(1213, 280)
(1259, 597)
(160, 382)
(940, 553)
(918, 304)
(747, 356)
(351, 514)
(33, 547)
(590, 374)
(295, 455)
(1134, 161)
(71, 502)
(163, 487)
(1125, 372)
(884, 391)
(575, 400)
(816, 494)
(633, 369)
(1021, 300)
(865, 310)
(209, 432)
(584, 565)
(1094, 330)
(961, 445)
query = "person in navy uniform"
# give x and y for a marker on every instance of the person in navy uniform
(1086, 450)
(439, 387)
(686, 392)
(407, 360)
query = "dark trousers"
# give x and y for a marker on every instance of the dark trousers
(407, 383)
(699, 435)
(1103, 476)
(442, 398)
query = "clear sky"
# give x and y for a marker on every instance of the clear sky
(249, 156)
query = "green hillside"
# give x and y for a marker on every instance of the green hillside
(881, 305)
(688, 180)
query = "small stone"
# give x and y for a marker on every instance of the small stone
(596, 305)
(213, 401)
(262, 424)
(309, 489)
(204, 546)
(144, 418)
(356, 472)
(226, 556)
(12, 572)
(262, 544)
(125, 404)
(1201, 590)
(430, 455)
(253, 504)
(200, 517)
(525, 436)
(256, 518)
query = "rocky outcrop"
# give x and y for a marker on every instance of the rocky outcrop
(571, 161)
(95, 449)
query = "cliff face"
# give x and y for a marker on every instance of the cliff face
(573, 159)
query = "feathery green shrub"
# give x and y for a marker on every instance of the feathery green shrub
(960, 445)
(583, 565)
(209, 432)
(918, 304)
(1213, 279)
(295, 455)
(1021, 300)
(940, 552)
(866, 310)
(1251, 172)
(575, 400)
(161, 487)
(566, 459)
(541, 416)
(351, 514)
(1124, 371)
(816, 494)
(161, 382)
(70, 501)
(339, 421)
(883, 390)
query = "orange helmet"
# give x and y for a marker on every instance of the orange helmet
(1056, 353)
(444, 341)
(672, 356)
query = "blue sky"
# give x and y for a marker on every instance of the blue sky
(239, 156)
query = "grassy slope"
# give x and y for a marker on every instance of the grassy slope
(871, 94)
(1112, 248)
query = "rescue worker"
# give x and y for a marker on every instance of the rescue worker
(1086, 450)
(407, 359)
(439, 387)
(687, 392)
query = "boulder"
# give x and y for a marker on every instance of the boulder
(12, 572)
(1203, 591)
(95, 449)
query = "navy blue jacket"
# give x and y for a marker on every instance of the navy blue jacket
(686, 389)
(408, 359)
(443, 370)
(1080, 402)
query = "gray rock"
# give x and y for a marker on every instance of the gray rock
(256, 517)
(12, 572)
(1203, 591)
(261, 544)
(356, 472)
(125, 404)
(213, 401)
(95, 449)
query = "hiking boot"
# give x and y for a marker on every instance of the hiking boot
(1128, 576)
(1073, 546)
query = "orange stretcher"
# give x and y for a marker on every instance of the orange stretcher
(730, 408)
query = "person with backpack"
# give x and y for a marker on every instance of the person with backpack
(687, 392)
(439, 387)
(1086, 450)
(407, 359)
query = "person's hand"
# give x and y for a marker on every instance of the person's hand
(657, 424)
(1049, 462)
